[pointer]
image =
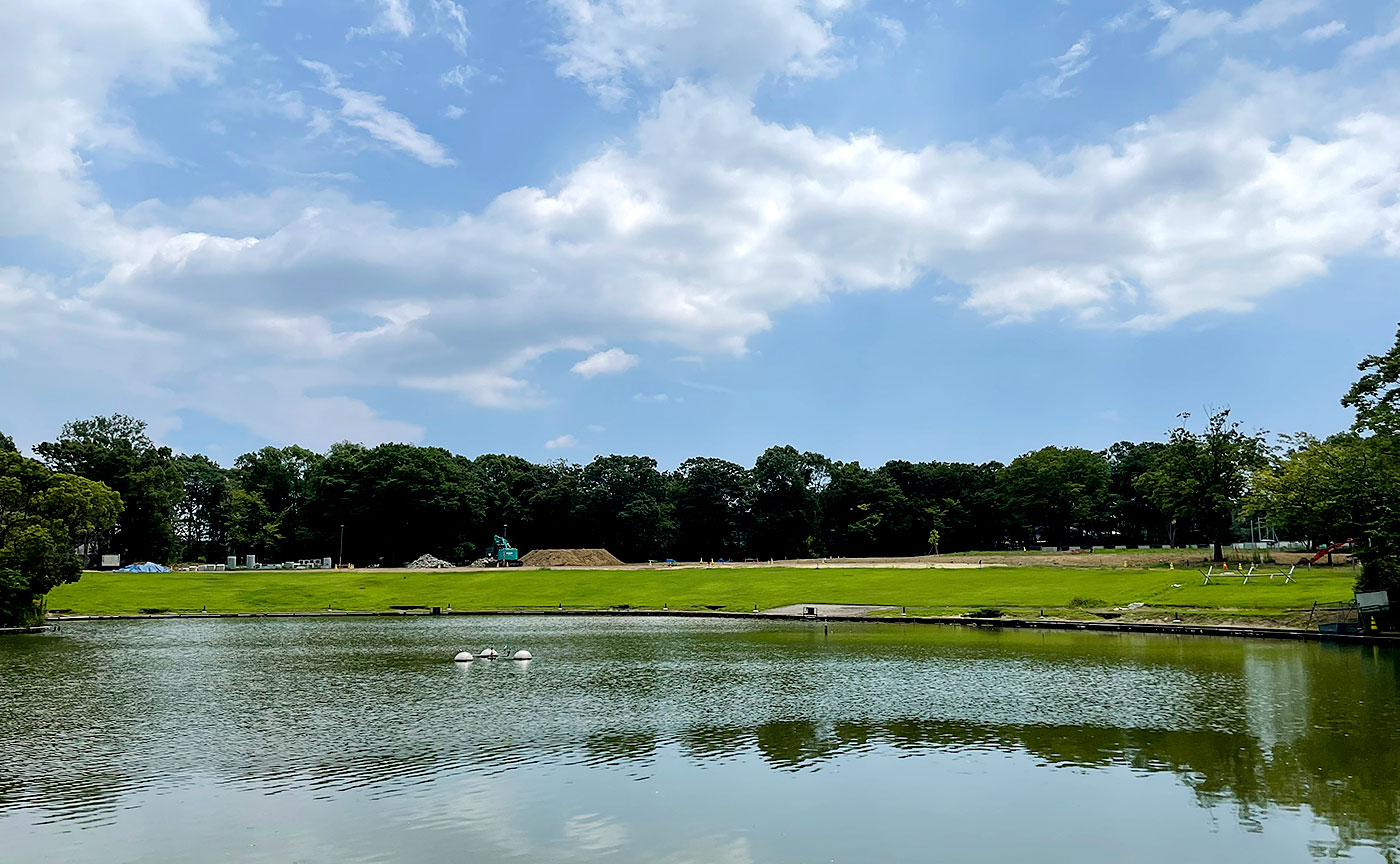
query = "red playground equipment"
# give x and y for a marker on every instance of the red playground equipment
(1329, 550)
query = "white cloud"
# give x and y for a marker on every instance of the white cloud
(1325, 31)
(457, 76)
(450, 22)
(1373, 44)
(454, 112)
(696, 231)
(1067, 65)
(893, 28)
(366, 111)
(715, 220)
(395, 18)
(609, 362)
(594, 427)
(58, 64)
(1192, 24)
(611, 45)
(562, 442)
(656, 398)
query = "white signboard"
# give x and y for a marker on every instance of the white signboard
(111, 560)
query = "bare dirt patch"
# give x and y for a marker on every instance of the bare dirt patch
(570, 558)
(823, 610)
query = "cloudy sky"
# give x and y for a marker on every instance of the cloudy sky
(922, 229)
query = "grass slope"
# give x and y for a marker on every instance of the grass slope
(738, 589)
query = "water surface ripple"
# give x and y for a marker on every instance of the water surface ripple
(679, 740)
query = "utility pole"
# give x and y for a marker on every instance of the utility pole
(340, 556)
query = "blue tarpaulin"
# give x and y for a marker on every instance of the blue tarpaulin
(148, 567)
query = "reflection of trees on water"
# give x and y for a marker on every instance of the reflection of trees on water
(1253, 726)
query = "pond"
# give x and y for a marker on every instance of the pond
(674, 740)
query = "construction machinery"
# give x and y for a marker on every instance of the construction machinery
(504, 554)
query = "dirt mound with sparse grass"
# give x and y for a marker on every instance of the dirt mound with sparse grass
(570, 558)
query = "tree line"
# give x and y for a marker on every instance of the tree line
(393, 502)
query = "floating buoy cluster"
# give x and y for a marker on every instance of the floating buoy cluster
(490, 654)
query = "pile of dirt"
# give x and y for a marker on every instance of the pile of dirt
(570, 558)
(427, 562)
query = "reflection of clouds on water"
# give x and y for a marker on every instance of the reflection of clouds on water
(714, 850)
(478, 752)
(590, 832)
(491, 810)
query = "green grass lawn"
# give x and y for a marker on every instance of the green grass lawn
(738, 589)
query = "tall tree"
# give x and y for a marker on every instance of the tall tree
(1135, 517)
(1203, 476)
(1325, 490)
(622, 503)
(1376, 394)
(44, 516)
(1376, 398)
(787, 484)
(280, 477)
(711, 499)
(7, 444)
(1057, 493)
(854, 506)
(117, 451)
(960, 501)
(515, 496)
(396, 501)
(202, 516)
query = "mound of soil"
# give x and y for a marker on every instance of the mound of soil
(569, 558)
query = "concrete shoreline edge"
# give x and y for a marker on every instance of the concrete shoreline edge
(994, 623)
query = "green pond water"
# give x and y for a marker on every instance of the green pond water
(666, 740)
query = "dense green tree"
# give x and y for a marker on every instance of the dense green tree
(252, 527)
(1057, 494)
(554, 504)
(517, 497)
(787, 484)
(958, 500)
(117, 451)
(1203, 476)
(853, 508)
(1322, 491)
(7, 444)
(622, 501)
(711, 498)
(202, 516)
(1376, 398)
(396, 501)
(1135, 517)
(44, 516)
(280, 477)
(1376, 394)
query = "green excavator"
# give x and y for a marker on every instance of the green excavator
(504, 554)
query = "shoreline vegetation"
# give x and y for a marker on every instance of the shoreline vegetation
(107, 492)
(876, 591)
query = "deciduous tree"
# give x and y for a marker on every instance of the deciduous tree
(44, 516)
(1203, 476)
(117, 451)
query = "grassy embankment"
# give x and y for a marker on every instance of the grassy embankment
(1060, 591)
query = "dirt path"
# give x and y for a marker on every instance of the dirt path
(824, 610)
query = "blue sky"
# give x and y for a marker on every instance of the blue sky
(878, 230)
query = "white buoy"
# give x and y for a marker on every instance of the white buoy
(489, 654)
(463, 657)
(522, 654)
